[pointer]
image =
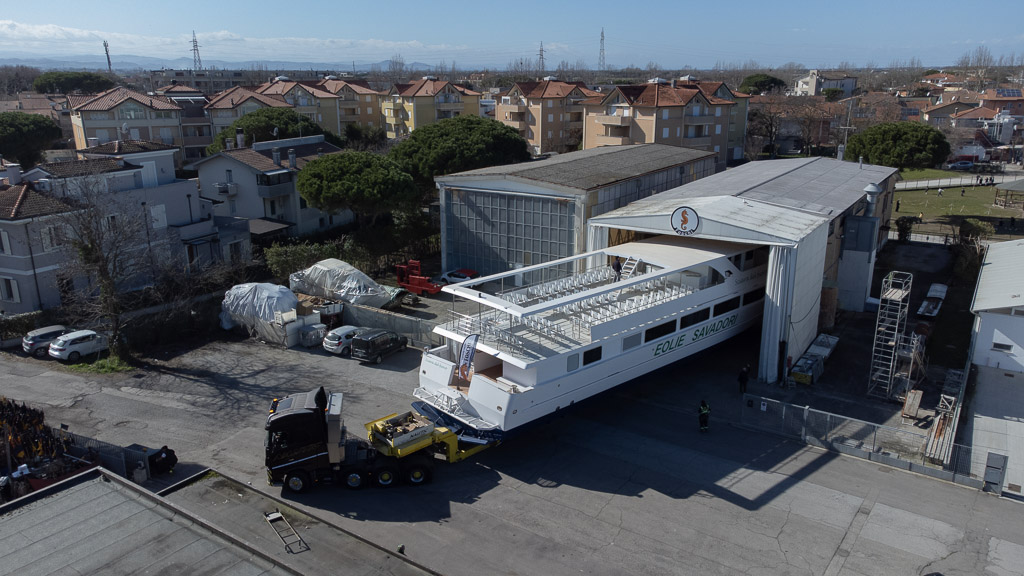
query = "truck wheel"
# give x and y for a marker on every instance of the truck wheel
(378, 359)
(297, 482)
(385, 477)
(417, 474)
(354, 480)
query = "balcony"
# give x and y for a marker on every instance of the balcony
(193, 120)
(454, 106)
(699, 120)
(697, 142)
(512, 107)
(574, 108)
(196, 230)
(613, 140)
(607, 120)
(391, 105)
(226, 188)
(517, 124)
(197, 140)
(397, 120)
(275, 190)
(353, 103)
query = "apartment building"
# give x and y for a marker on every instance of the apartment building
(738, 113)
(659, 112)
(212, 81)
(410, 106)
(548, 114)
(308, 100)
(196, 130)
(230, 105)
(356, 103)
(816, 82)
(123, 114)
(258, 184)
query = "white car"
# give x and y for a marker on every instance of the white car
(339, 340)
(456, 276)
(73, 346)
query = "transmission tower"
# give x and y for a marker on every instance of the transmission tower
(197, 62)
(600, 58)
(106, 48)
(540, 59)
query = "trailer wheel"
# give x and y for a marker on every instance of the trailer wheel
(297, 482)
(417, 474)
(385, 477)
(355, 480)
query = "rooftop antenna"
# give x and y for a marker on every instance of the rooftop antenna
(600, 58)
(197, 62)
(106, 48)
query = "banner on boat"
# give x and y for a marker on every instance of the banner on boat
(466, 356)
(685, 221)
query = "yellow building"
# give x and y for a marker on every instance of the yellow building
(123, 114)
(230, 105)
(548, 114)
(410, 106)
(308, 100)
(356, 103)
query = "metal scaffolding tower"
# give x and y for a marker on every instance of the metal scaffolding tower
(893, 303)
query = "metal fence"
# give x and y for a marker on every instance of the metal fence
(900, 448)
(122, 461)
(419, 331)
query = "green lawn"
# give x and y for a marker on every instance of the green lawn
(942, 215)
(933, 174)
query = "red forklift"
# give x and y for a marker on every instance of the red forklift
(410, 277)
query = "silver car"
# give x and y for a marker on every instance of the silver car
(339, 340)
(38, 341)
(73, 346)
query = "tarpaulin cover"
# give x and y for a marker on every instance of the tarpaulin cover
(254, 305)
(334, 279)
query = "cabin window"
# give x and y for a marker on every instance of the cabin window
(736, 261)
(572, 363)
(753, 296)
(694, 318)
(727, 306)
(660, 330)
(716, 278)
(592, 355)
(631, 341)
(1002, 346)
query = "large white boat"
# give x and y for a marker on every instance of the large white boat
(550, 335)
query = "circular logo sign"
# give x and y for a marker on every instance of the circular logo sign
(685, 221)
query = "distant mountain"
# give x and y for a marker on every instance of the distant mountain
(128, 63)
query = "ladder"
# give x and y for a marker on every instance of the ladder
(629, 266)
(285, 532)
(893, 303)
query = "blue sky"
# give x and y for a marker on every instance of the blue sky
(673, 34)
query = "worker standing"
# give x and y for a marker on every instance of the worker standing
(617, 268)
(743, 378)
(704, 415)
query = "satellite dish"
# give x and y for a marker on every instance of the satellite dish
(124, 128)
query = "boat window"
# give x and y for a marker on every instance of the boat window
(715, 279)
(761, 255)
(660, 330)
(727, 306)
(736, 260)
(694, 318)
(572, 363)
(631, 341)
(592, 355)
(753, 296)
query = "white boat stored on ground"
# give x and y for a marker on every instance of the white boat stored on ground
(553, 334)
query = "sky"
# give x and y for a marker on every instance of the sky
(673, 34)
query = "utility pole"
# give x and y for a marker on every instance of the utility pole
(106, 48)
(540, 59)
(197, 62)
(600, 59)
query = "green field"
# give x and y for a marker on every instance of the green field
(931, 174)
(942, 215)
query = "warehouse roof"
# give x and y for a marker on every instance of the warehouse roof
(1001, 281)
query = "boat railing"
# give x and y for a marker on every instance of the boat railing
(489, 327)
(560, 287)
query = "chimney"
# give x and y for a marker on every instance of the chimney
(673, 82)
(240, 137)
(862, 162)
(14, 174)
(291, 158)
(120, 161)
(227, 143)
(277, 156)
(319, 152)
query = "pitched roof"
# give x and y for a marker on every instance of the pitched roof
(88, 167)
(358, 86)
(552, 89)
(656, 95)
(263, 160)
(179, 88)
(991, 94)
(282, 87)
(115, 96)
(979, 112)
(968, 96)
(1001, 280)
(427, 87)
(952, 105)
(117, 147)
(21, 201)
(235, 96)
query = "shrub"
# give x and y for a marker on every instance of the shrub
(904, 226)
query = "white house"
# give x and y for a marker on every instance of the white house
(998, 307)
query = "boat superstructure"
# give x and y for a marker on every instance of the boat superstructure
(550, 335)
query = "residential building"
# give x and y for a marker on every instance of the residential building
(940, 115)
(737, 140)
(1004, 129)
(356, 103)
(505, 217)
(659, 113)
(548, 114)
(816, 82)
(196, 129)
(943, 80)
(410, 106)
(123, 114)
(212, 81)
(230, 105)
(53, 106)
(1007, 100)
(258, 184)
(307, 100)
(972, 117)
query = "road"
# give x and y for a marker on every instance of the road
(624, 483)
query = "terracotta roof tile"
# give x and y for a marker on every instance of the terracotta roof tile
(658, 95)
(88, 167)
(552, 89)
(424, 87)
(263, 160)
(359, 87)
(180, 88)
(128, 147)
(979, 112)
(21, 201)
(234, 97)
(115, 96)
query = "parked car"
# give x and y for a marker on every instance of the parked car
(339, 340)
(74, 345)
(373, 345)
(37, 342)
(962, 165)
(456, 276)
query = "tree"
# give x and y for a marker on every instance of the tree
(396, 69)
(259, 126)
(14, 79)
(68, 82)
(368, 184)
(23, 136)
(900, 145)
(458, 144)
(761, 84)
(765, 124)
(832, 94)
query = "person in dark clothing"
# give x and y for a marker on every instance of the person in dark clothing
(897, 205)
(164, 461)
(703, 415)
(743, 378)
(617, 268)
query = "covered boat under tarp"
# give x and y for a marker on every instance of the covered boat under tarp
(261, 308)
(334, 279)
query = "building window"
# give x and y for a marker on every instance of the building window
(718, 128)
(718, 110)
(5, 243)
(1002, 347)
(664, 114)
(551, 117)
(551, 103)
(664, 132)
(9, 290)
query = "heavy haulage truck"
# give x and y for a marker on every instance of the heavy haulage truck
(307, 443)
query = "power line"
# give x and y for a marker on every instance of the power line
(197, 62)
